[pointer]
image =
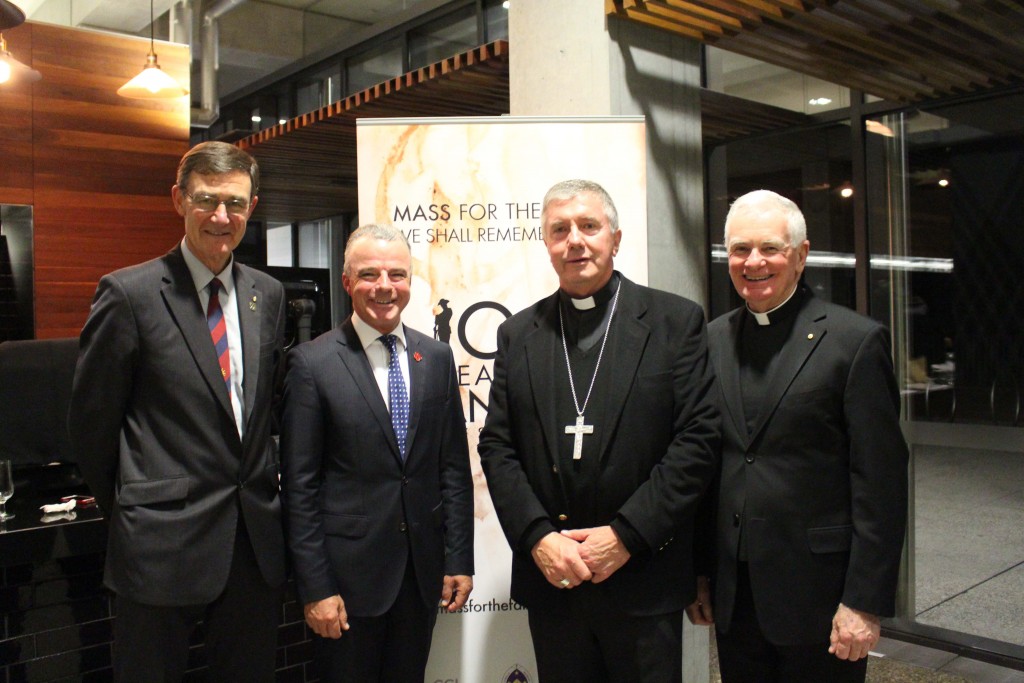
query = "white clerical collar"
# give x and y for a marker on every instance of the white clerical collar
(584, 304)
(765, 318)
(598, 298)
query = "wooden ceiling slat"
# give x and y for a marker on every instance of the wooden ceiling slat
(698, 9)
(706, 25)
(873, 51)
(901, 50)
(308, 164)
(644, 17)
(885, 21)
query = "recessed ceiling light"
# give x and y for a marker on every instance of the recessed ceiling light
(819, 101)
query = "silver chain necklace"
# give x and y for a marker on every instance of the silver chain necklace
(579, 429)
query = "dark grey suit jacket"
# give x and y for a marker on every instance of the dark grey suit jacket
(355, 512)
(821, 482)
(658, 438)
(155, 437)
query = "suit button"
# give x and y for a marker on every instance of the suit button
(736, 519)
(403, 527)
(750, 459)
(405, 481)
(554, 468)
(562, 518)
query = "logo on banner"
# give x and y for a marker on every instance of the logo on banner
(516, 675)
(478, 371)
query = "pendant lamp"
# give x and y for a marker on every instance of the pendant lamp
(152, 82)
(11, 70)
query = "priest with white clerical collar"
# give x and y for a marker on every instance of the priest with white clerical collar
(601, 437)
(809, 511)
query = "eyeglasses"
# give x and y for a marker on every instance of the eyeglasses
(209, 202)
(743, 251)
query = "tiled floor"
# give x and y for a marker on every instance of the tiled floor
(898, 662)
(969, 558)
(893, 661)
(969, 542)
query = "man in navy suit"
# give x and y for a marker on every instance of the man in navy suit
(173, 437)
(812, 492)
(600, 438)
(376, 476)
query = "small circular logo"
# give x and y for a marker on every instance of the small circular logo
(515, 675)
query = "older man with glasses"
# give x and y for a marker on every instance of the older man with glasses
(171, 421)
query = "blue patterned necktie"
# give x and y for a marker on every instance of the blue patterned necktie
(398, 397)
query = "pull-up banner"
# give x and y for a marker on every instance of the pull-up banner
(467, 194)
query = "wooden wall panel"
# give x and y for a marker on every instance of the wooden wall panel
(101, 166)
(16, 126)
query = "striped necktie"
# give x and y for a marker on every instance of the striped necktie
(219, 332)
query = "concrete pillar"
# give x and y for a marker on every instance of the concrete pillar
(567, 58)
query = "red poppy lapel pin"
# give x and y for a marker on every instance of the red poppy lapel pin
(417, 356)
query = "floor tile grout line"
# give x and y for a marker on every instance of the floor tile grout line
(970, 588)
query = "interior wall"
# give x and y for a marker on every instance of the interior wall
(97, 168)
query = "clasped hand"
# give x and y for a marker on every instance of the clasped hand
(571, 557)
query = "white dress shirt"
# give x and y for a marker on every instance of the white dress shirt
(202, 277)
(379, 356)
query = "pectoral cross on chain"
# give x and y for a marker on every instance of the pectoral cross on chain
(578, 430)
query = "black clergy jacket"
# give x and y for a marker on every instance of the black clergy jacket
(818, 485)
(657, 436)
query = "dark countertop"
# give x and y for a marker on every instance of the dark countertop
(32, 536)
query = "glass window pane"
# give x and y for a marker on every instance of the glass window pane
(314, 244)
(944, 217)
(495, 20)
(279, 244)
(375, 66)
(450, 35)
(752, 79)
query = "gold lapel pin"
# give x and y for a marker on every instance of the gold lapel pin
(810, 336)
(252, 304)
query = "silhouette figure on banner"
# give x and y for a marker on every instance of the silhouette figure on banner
(442, 321)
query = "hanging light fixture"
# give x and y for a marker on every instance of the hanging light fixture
(152, 82)
(11, 70)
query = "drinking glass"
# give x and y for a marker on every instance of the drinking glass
(6, 488)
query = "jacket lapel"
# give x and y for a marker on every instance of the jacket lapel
(179, 293)
(418, 381)
(808, 331)
(543, 351)
(248, 298)
(727, 366)
(350, 350)
(622, 363)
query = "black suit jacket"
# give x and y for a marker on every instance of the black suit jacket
(821, 482)
(658, 439)
(355, 512)
(155, 437)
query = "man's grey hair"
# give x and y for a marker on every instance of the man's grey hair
(766, 201)
(217, 158)
(567, 189)
(377, 231)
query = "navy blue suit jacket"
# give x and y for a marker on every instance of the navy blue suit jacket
(355, 512)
